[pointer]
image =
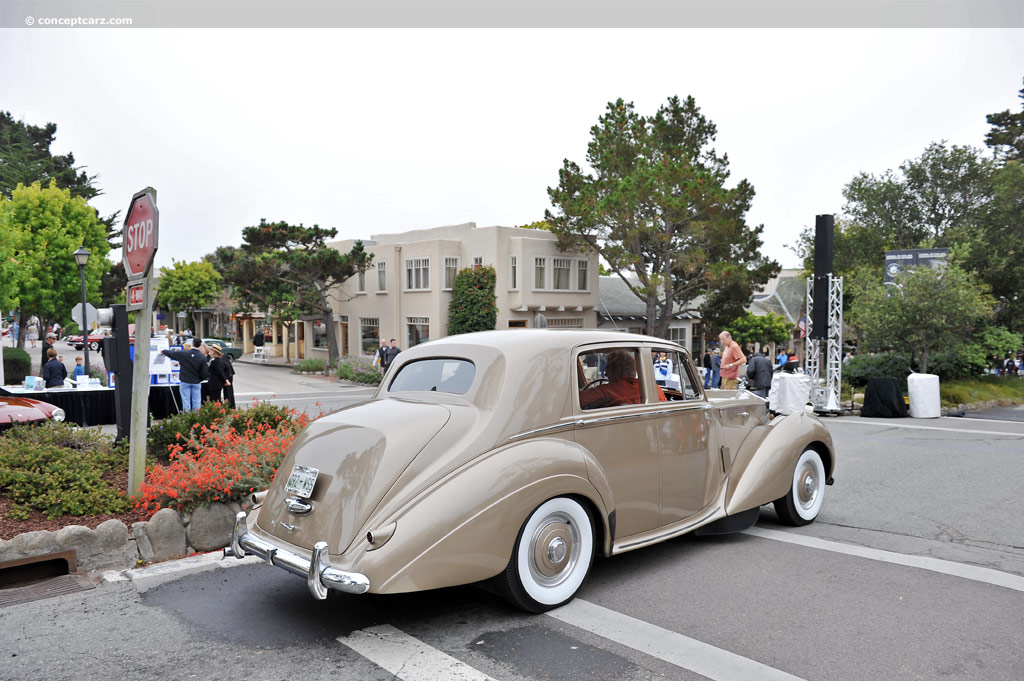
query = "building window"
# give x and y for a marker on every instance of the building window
(539, 273)
(581, 276)
(320, 335)
(517, 323)
(560, 269)
(677, 334)
(369, 334)
(382, 276)
(478, 261)
(361, 282)
(419, 330)
(566, 323)
(451, 268)
(417, 274)
(513, 268)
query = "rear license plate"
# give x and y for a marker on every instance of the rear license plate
(301, 481)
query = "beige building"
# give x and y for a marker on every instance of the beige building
(406, 292)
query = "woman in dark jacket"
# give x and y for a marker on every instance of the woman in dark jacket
(220, 374)
(54, 371)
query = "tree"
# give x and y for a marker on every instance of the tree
(657, 210)
(25, 157)
(113, 285)
(189, 286)
(473, 306)
(290, 270)
(1007, 133)
(767, 329)
(929, 310)
(47, 226)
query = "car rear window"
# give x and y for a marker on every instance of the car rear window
(441, 374)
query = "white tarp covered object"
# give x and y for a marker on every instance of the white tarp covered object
(923, 390)
(789, 393)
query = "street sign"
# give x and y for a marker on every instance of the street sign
(141, 229)
(76, 314)
(136, 295)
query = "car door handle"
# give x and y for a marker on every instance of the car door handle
(297, 506)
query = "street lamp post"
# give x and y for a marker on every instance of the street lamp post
(82, 257)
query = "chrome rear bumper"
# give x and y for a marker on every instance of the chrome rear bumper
(319, 574)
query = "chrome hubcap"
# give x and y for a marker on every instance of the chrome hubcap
(807, 489)
(555, 549)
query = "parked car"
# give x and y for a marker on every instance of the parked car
(515, 456)
(24, 410)
(96, 337)
(225, 347)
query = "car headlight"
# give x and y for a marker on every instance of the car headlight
(58, 414)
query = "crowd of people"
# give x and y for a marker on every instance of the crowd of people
(205, 374)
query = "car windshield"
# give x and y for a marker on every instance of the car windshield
(442, 374)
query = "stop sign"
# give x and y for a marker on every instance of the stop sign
(141, 227)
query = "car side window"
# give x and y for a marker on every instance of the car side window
(609, 378)
(672, 376)
(442, 374)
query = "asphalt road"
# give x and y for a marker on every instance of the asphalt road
(914, 570)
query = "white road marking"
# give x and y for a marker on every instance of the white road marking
(948, 430)
(946, 567)
(408, 658)
(650, 639)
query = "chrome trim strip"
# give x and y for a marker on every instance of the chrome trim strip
(537, 431)
(670, 533)
(319, 574)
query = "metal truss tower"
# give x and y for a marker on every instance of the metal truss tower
(825, 393)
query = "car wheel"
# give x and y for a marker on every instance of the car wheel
(95, 345)
(806, 492)
(552, 556)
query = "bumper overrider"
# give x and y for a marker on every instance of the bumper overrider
(319, 574)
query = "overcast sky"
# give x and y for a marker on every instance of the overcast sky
(381, 131)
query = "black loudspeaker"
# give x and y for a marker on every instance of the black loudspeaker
(824, 229)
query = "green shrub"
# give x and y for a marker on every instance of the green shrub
(17, 365)
(473, 306)
(310, 365)
(60, 470)
(359, 370)
(859, 368)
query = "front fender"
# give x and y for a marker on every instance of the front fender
(464, 528)
(763, 472)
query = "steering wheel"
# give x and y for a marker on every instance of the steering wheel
(596, 382)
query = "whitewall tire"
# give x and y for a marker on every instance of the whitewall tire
(802, 503)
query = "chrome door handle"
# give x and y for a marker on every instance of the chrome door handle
(297, 506)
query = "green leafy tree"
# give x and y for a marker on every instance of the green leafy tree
(189, 286)
(657, 209)
(929, 311)
(46, 227)
(291, 271)
(25, 157)
(473, 306)
(1007, 133)
(113, 285)
(770, 328)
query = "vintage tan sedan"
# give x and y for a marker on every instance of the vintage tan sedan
(515, 456)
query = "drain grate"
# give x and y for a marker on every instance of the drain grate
(55, 586)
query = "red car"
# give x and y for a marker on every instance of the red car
(95, 339)
(23, 410)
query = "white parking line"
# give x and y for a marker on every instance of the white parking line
(408, 658)
(682, 651)
(888, 424)
(946, 567)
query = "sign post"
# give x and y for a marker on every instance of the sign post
(141, 231)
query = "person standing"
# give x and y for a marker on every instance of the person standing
(193, 371)
(716, 369)
(708, 367)
(759, 375)
(79, 369)
(33, 331)
(259, 339)
(229, 385)
(381, 357)
(782, 358)
(54, 372)
(732, 359)
(220, 375)
(51, 338)
(390, 354)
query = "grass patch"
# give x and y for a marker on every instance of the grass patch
(982, 389)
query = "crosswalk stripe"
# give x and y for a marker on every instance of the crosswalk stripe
(946, 567)
(650, 639)
(408, 658)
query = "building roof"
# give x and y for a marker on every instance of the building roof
(619, 303)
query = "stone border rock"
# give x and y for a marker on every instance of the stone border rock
(167, 535)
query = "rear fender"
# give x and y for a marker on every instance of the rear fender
(464, 528)
(763, 471)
